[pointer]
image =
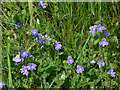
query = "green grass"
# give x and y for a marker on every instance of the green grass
(9, 66)
(68, 23)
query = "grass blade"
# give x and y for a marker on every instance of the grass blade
(82, 50)
(9, 67)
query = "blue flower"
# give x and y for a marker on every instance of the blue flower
(24, 53)
(39, 35)
(106, 34)
(42, 40)
(79, 69)
(103, 42)
(24, 70)
(17, 58)
(34, 32)
(93, 28)
(18, 23)
(100, 63)
(42, 4)
(111, 72)
(100, 28)
(57, 45)
(32, 66)
(22, 59)
(69, 60)
(2, 84)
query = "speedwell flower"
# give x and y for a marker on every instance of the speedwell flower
(24, 70)
(100, 28)
(24, 53)
(32, 66)
(17, 58)
(42, 4)
(100, 63)
(18, 23)
(2, 84)
(22, 59)
(103, 42)
(93, 28)
(42, 40)
(57, 45)
(79, 69)
(34, 32)
(69, 60)
(111, 72)
(39, 34)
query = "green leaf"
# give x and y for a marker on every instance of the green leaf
(48, 43)
(114, 83)
(25, 86)
(106, 84)
(44, 75)
(96, 41)
(115, 41)
(40, 69)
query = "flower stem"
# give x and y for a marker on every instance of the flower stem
(58, 65)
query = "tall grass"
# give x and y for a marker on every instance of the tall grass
(9, 66)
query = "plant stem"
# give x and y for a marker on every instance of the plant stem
(58, 65)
